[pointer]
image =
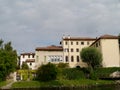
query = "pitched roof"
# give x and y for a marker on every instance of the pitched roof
(106, 36)
(79, 38)
(27, 53)
(50, 48)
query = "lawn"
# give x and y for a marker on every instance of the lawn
(56, 83)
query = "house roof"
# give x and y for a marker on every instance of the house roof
(106, 36)
(28, 53)
(79, 38)
(50, 48)
(30, 60)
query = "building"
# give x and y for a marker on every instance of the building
(72, 47)
(109, 47)
(29, 58)
(53, 54)
(69, 52)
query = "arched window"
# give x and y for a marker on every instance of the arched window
(66, 58)
(72, 59)
(78, 59)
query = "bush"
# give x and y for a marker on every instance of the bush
(47, 72)
(63, 65)
(72, 73)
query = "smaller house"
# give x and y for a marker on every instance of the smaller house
(52, 54)
(29, 58)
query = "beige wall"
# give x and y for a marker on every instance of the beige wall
(74, 46)
(110, 51)
(42, 57)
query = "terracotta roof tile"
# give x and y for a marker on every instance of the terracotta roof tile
(27, 53)
(50, 48)
(79, 38)
(106, 36)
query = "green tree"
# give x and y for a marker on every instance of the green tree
(91, 56)
(47, 72)
(8, 59)
(25, 66)
(119, 38)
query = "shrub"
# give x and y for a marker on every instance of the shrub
(63, 65)
(47, 72)
(72, 73)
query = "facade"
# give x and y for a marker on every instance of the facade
(72, 47)
(109, 47)
(29, 58)
(44, 55)
(69, 52)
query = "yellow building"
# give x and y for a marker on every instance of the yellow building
(72, 47)
(109, 47)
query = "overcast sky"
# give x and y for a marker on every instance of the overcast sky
(33, 23)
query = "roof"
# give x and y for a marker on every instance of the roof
(30, 60)
(106, 36)
(79, 38)
(28, 53)
(50, 48)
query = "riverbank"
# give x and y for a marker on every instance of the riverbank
(62, 83)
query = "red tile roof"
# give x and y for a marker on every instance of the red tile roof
(79, 38)
(50, 48)
(106, 36)
(27, 53)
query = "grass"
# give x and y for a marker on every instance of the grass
(3, 83)
(82, 82)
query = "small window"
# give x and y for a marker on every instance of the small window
(78, 59)
(23, 56)
(71, 43)
(77, 50)
(82, 43)
(72, 59)
(30, 63)
(88, 43)
(28, 56)
(72, 50)
(33, 56)
(66, 58)
(66, 43)
(77, 43)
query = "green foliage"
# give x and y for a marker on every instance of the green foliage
(47, 72)
(8, 60)
(119, 38)
(63, 65)
(105, 72)
(91, 56)
(72, 74)
(25, 66)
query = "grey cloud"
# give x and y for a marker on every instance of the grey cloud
(31, 23)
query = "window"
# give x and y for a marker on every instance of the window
(77, 43)
(33, 56)
(66, 58)
(30, 63)
(88, 43)
(77, 50)
(96, 44)
(28, 56)
(71, 49)
(23, 56)
(72, 59)
(82, 43)
(78, 59)
(66, 43)
(71, 43)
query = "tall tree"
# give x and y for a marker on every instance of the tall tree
(91, 56)
(8, 59)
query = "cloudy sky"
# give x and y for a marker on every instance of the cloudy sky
(33, 23)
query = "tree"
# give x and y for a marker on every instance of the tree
(119, 38)
(47, 72)
(25, 66)
(91, 56)
(8, 59)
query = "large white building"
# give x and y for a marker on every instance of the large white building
(69, 51)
